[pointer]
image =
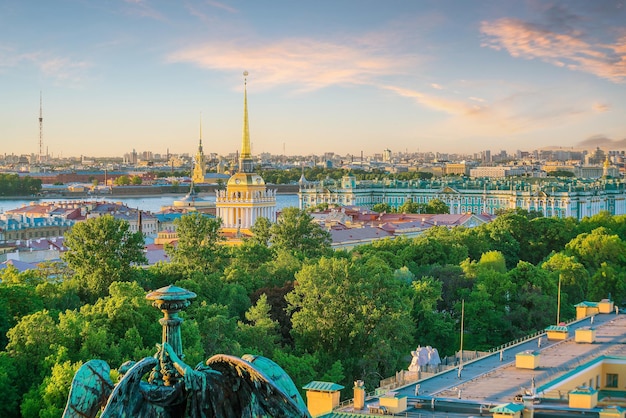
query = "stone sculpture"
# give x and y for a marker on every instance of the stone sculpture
(225, 387)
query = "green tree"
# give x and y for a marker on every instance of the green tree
(353, 311)
(198, 246)
(409, 207)
(258, 335)
(122, 181)
(573, 275)
(382, 207)
(296, 232)
(261, 231)
(8, 388)
(101, 251)
(136, 180)
(31, 341)
(437, 206)
(533, 301)
(49, 398)
(432, 327)
(597, 247)
(548, 235)
(16, 301)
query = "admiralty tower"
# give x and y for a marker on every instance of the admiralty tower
(246, 197)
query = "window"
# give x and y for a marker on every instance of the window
(611, 380)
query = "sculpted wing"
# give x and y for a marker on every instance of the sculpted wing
(244, 390)
(127, 400)
(90, 389)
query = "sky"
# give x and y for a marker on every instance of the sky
(343, 76)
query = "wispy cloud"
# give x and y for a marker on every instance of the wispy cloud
(306, 63)
(570, 49)
(51, 66)
(601, 107)
(222, 6)
(449, 106)
(142, 8)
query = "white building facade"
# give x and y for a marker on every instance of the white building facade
(577, 199)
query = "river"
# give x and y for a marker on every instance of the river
(146, 203)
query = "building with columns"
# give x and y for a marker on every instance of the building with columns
(576, 198)
(246, 197)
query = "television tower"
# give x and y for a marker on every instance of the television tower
(40, 159)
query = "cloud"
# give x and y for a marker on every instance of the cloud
(222, 6)
(307, 63)
(141, 8)
(569, 49)
(51, 66)
(602, 141)
(601, 107)
(449, 106)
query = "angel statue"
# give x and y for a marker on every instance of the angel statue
(225, 387)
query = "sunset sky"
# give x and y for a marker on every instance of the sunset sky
(340, 76)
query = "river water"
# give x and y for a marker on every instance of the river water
(146, 203)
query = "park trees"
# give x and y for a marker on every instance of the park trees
(355, 311)
(198, 242)
(101, 251)
(296, 232)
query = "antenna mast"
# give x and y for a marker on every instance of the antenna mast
(40, 159)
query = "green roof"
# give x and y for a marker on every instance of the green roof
(586, 304)
(322, 386)
(584, 390)
(508, 408)
(559, 328)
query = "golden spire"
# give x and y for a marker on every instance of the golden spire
(246, 165)
(200, 145)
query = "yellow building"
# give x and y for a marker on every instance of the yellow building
(557, 332)
(584, 309)
(585, 335)
(246, 197)
(602, 379)
(527, 360)
(393, 403)
(583, 397)
(606, 306)
(322, 397)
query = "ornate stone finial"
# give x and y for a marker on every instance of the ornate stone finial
(170, 300)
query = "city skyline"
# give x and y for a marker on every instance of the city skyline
(345, 77)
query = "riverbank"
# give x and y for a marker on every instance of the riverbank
(141, 191)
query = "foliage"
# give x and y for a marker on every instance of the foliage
(101, 251)
(321, 315)
(198, 242)
(14, 185)
(123, 180)
(353, 311)
(296, 232)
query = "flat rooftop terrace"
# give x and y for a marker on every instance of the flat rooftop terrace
(494, 379)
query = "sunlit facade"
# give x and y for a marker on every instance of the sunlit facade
(576, 198)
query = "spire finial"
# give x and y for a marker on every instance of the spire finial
(245, 141)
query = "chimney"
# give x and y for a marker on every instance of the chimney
(359, 395)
